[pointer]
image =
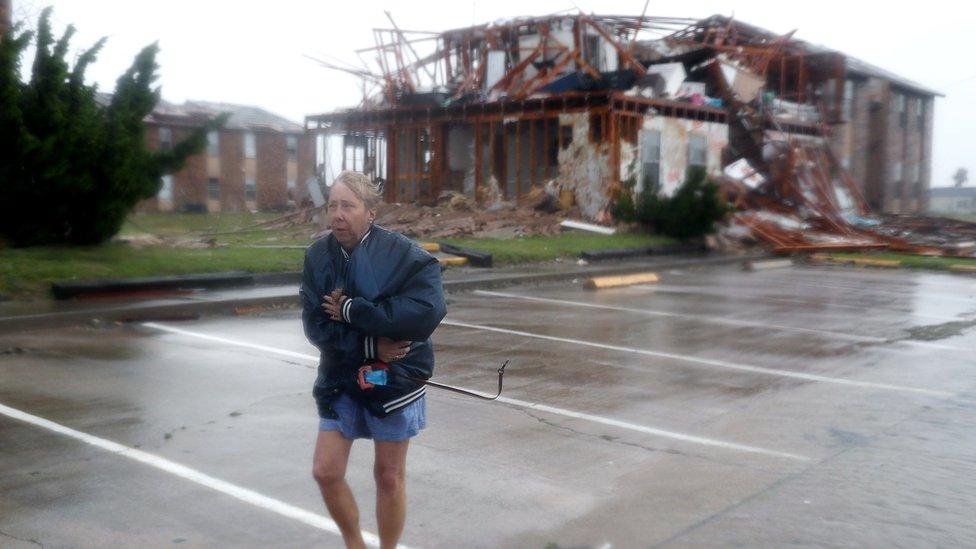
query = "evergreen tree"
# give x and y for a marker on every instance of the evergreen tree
(72, 169)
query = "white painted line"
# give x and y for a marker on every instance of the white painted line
(651, 430)
(698, 318)
(236, 342)
(706, 361)
(522, 403)
(729, 321)
(243, 494)
(700, 291)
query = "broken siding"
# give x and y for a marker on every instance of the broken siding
(584, 166)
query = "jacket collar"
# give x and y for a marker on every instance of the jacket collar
(362, 242)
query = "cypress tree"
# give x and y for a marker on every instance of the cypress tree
(72, 169)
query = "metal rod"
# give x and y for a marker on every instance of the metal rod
(501, 374)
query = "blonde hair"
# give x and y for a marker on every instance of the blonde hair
(361, 186)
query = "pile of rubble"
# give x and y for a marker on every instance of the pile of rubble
(455, 215)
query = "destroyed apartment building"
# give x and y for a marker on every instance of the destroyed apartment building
(806, 142)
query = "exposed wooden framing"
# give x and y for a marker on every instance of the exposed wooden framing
(545, 147)
(492, 153)
(518, 158)
(478, 160)
(403, 39)
(503, 177)
(532, 160)
(506, 82)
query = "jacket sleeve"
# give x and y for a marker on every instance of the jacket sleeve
(314, 319)
(412, 314)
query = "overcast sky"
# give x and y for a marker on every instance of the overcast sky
(251, 52)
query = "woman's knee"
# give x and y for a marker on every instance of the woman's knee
(328, 474)
(389, 478)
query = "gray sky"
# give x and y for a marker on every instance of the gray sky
(251, 52)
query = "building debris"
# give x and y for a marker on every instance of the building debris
(589, 227)
(528, 116)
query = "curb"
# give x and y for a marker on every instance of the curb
(196, 309)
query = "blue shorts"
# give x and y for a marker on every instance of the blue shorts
(355, 421)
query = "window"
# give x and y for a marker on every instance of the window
(250, 149)
(565, 136)
(166, 189)
(899, 102)
(213, 188)
(697, 150)
(920, 112)
(291, 144)
(596, 128)
(901, 109)
(165, 138)
(213, 143)
(896, 171)
(250, 190)
(291, 184)
(848, 104)
(916, 172)
(650, 174)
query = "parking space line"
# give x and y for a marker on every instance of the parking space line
(243, 494)
(683, 437)
(729, 321)
(699, 291)
(698, 318)
(707, 361)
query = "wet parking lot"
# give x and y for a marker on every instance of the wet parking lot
(807, 406)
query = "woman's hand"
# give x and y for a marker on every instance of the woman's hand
(333, 305)
(390, 350)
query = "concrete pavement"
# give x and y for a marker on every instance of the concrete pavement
(801, 406)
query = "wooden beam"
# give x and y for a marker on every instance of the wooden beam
(624, 54)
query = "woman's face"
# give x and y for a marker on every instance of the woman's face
(349, 218)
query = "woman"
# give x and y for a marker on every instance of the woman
(368, 295)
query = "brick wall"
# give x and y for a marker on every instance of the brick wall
(306, 162)
(190, 183)
(272, 171)
(231, 171)
(875, 140)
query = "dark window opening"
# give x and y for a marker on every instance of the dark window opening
(213, 188)
(565, 136)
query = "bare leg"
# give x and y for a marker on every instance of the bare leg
(390, 472)
(329, 470)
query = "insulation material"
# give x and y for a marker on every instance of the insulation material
(743, 83)
(666, 78)
(742, 170)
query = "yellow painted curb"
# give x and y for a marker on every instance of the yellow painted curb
(453, 261)
(884, 263)
(431, 247)
(858, 261)
(962, 268)
(599, 282)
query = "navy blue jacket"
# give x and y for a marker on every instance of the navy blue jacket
(395, 290)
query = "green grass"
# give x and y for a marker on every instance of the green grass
(28, 272)
(545, 248)
(914, 261)
(223, 227)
